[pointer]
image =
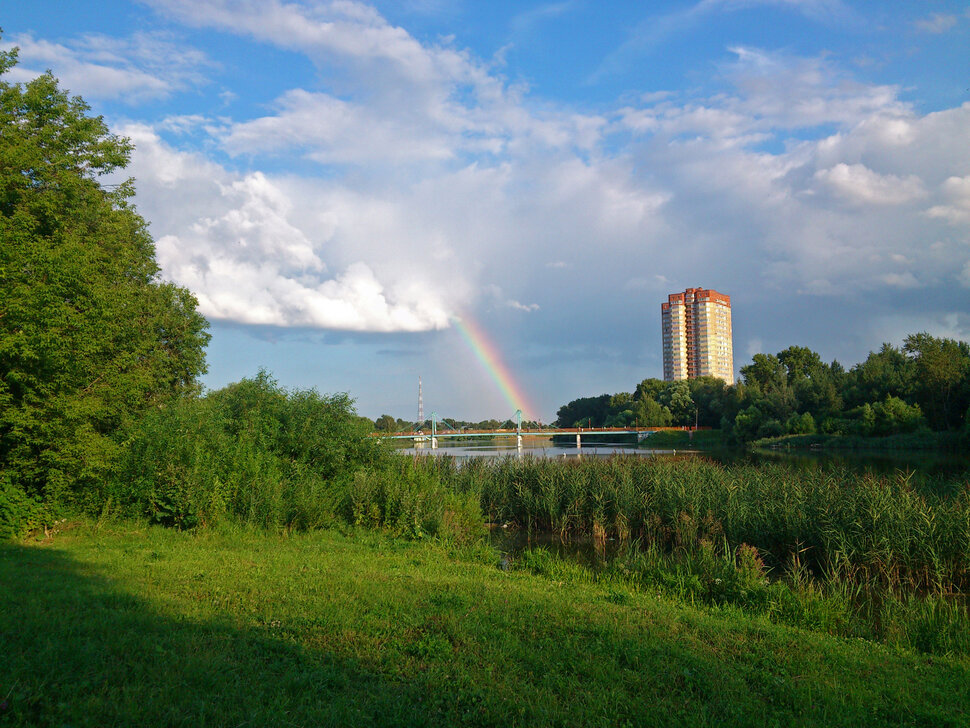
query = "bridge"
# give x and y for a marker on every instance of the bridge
(519, 433)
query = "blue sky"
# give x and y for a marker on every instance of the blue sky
(338, 181)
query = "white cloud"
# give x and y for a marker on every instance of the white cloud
(142, 67)
(511, 303)
(231, 238)
(936, 23)
(956, 193)
(444, 181)
(331, 130)
(858, 184)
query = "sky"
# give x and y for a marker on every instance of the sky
(497, 197)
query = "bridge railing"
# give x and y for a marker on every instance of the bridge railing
(544, 431)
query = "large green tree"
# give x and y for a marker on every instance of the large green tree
(942, 376)
(89, 335)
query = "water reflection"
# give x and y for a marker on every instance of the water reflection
(544, 449)
(925, 463)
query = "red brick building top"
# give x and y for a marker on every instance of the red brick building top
(694, 294)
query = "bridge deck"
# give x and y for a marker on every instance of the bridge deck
(546, 432)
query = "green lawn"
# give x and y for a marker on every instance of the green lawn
(131, 625)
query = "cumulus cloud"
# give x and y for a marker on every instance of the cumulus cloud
(956, 193)
(231, 238)
(857, 183)
(434, 182)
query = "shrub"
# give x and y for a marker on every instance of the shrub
(19, 513)
(252, 451)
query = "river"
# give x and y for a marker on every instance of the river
(928, 462)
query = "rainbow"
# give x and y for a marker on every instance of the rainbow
(487, 353)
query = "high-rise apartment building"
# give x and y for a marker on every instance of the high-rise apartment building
(697, 335)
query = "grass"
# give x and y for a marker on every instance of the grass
(136, 625)
(682, 440)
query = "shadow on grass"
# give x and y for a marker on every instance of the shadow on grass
(76, 651)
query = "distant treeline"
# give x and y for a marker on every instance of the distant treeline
(924, 385)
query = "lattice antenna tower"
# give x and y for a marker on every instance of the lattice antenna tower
(420, 405)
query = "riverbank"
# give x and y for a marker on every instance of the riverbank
(685, 440)
(941, 441)
(134, 625)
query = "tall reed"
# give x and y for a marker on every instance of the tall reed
(889, 529)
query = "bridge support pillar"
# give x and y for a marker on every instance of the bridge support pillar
(518, 441)
(434, 443)
(579, 442)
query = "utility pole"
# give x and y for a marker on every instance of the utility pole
(420, 405)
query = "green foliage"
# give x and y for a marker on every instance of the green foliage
(676, 398)
(252, 452)
(893, 416)
(19, 513)
(385, 423)
(854, 555)
(257, 454)
(416, 499)
(89, 337)
(941, 370)
(885, 529)
(584, 412)
(893, 392)
(803, 424)
(765, 372)
(748, 423)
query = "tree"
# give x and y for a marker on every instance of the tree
(803, 424)
(766, 372)
(649, 389)
(893, 416)
(708, 396)
(649, 413)
(800, 362)
(89, 335)
(676, 398)
(584, 411)
(942, 374)
(884, 373)
(385, 423)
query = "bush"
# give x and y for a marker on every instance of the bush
(252, 451)
(19, 513)
(893, 416)
(803, 424)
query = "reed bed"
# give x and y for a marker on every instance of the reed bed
(858, 555)
(897, 530)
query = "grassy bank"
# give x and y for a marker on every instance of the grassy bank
(134, 625)
(684, 440)
(924, 440)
